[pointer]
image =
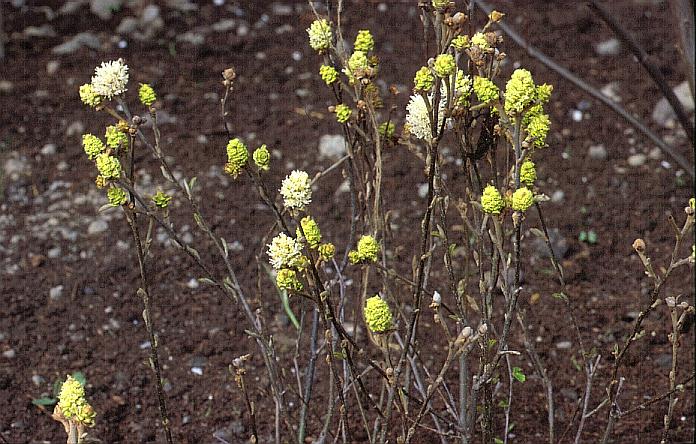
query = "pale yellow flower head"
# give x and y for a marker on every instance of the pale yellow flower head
(296, 190)
(110, 79)
(284, 252)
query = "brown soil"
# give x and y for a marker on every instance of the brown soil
(96, 325)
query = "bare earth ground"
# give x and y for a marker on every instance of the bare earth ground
(67, 277)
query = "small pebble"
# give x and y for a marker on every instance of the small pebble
(49, 149)
(197, 371)
(38, 379)
(56, 292)
(193, 283)
(576, 115)
(564, 345)
(9, 354)
(558, 196)
(597, 152)
(637, 160)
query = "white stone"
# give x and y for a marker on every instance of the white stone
(332, 147)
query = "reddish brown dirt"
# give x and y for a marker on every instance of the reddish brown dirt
(51, 337)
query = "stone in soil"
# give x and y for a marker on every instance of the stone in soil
(597, 152)
(637, 160)
(332, 147)
(664, 115)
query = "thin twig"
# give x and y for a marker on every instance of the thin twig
(634, 121)
(645, 60)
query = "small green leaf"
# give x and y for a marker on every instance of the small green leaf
(582, 237)
(80, 377)
(44, 401)
(498, 441)
(591, 237)
(517, 374)
(503, 403)
(561, 296)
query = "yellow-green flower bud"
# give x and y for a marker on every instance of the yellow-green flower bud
(538, 129)
(440, 4)
(522, 199)
(692, 203)
(146, 94)
(358, 62)
(161, 199)
(424, 80)
(368, 248)
(100, 181)
(108, 166)
(287, 280)
(115, 138)
(320, 35)
(92, 145)
(237, 157)
(312, 234)
(491, 200)
(328, 74)
(73, 404)
(528, 173)
(364, 41)
(88, 96)
(485, 89)
(479, 39)
(378, 316)
(354, 257)
(387, 129)
(519, 91)
(460, 42)
(543, 93)
(117, 196)
(262, 158)
(444, 65)
(462, 89)
(343, 113)
(327, 251)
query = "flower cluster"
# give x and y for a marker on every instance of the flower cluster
(110, 79)
(528, 173)
(320, 35)
(364, 41)
(444, 65)
(284, 252)
(491, 200)
(146, 94)
(418, 117)
(519, 91)
(538, 125)
(287, 279)
(328, 74)
(343, 113)
(296, 190)
(237, 157)
(88, 96)
(479, 39)
(161, 199)
(73, 404)
(262, 158)
(312, 234)
(485, 89)
(378, 316)
(463, 86)
(327, 251)
(424, 80)
(116, 196)
(387, 129)
(92, 145)
(109, 167)
(366, 252)
(522, 199)
(460, 42)
(115, 138)
(440, 4)
(357, 64)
